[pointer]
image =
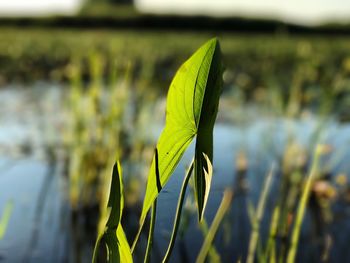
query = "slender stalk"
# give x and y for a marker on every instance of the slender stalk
(258, 217)
(224, 205)
(178, 214)
(213, 253)
(270, 247)
(136, 238)
(96, 248)
(151, 232)
(302, 206)
(4, 221)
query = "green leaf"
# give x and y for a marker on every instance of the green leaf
(192, 105)
(113, 236)
(116, 200)
(5, 218)
(208, 174)
(123, 246)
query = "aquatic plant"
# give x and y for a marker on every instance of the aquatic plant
(192, 105)
(5, 218)
(112, 235)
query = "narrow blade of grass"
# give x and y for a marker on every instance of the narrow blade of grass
(225, 204)
(270, 252)
(302, 206)
(214, 256)
(258, 216)
(5, 218)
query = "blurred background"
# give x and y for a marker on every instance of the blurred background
(84, 82)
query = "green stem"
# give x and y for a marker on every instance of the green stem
(213, 253)
(151, 232)
(258, 217)
(270, 248)
(4, 221)
(137, 237)
(302, 206)
(96, 248)
(224, 206)
(178, 214)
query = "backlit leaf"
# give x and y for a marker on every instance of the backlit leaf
(113, 236)
(192, 104)
(208, 175)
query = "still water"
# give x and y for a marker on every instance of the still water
(39, 226)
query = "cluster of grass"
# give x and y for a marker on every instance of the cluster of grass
(101, 115)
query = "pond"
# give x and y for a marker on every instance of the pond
(247, 142)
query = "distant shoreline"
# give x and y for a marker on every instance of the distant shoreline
(176, 23)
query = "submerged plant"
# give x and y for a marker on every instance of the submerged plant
(192, 105)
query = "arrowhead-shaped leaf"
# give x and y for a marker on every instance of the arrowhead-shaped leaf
(208, 174)
(192, 105)
(113, 236)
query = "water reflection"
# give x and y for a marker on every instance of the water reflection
(246, 142)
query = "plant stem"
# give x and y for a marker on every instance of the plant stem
(151, 232)
(302, 206)
(96, 248)
(5, 218)
(258, 217)
(137, 237)
(178, 214)
(270, 247)
(213, 253)
(224, 205)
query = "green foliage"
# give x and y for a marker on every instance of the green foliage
(303, 204)
(192, 104)
(113, 236)
(257, 217)
(5, 218)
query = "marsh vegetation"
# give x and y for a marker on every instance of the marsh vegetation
(281, 144)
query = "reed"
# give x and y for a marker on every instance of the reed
(259, 215)
(303, 204)
(224, 206)
(5, 218)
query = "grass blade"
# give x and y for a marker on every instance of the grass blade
(270, 252)
(225, 204)
(214, 256)
(258, 217)
(302, 205)
(5, 218)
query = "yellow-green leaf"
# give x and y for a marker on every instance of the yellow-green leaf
(113, 236)
(208, 174)
(192, 104)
